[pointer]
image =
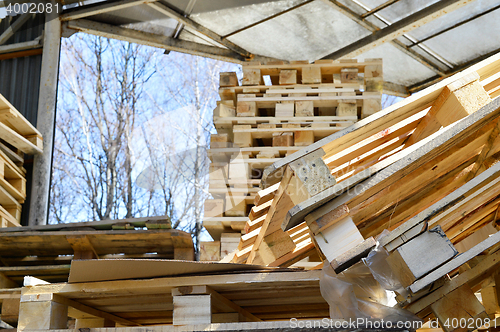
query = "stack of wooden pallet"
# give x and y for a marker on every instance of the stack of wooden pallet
(260, 123)
(17, 137)
(427, 170)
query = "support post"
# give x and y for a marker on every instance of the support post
(42, 165)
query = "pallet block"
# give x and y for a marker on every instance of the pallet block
(228, 79)
(349, 75)
(303, 138)
(288, 77)
(42, 315)
(192, 310)
(347, 109)
(311, 75)
(251, 77)
(421, 255)
(285, 109)
(283, 139)
(210, 251)
(246, 108)
(214, 208)
(224, 111)
(304, 108)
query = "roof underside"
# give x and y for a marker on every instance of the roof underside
(420, 41)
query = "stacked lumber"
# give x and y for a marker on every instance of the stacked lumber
(183, 300)
(426, 169)
(258, 123)
(47, 251)
(17, 137)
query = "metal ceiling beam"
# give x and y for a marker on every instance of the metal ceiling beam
(189, 23)
(455, 25)
(399, 28)
(395, 89)
(267, 19)
(378, 8)
(9, 32)
(100, 8)
(159, 41)
(372, 27)
(424, 84)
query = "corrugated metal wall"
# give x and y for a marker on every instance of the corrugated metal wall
(20, 83)
(20, 77)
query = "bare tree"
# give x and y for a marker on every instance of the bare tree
(133, 127)
(101, 84)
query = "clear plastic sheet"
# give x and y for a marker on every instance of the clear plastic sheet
(360, 291)
(380, 269)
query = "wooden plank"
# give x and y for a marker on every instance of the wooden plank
(367, 127)
(396, 166)
(22, 143)
(417, 224)
(352, 256)
(459, 305)
(482, 270)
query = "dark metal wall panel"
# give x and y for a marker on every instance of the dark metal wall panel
(20, 77)
(20, 84)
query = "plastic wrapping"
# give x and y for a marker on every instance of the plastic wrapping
(380, 269)
(360, 292)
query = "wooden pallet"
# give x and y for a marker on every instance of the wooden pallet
(17, 131)
(259, 123)
(180, 300)
(47, 251)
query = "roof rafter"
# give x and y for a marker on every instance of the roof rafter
(372, 27)
(101, 8)
(150, 39)
(399, 28)
(189, 23)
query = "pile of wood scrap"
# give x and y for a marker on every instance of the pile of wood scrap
(277, 110)
(425, 169)
(17, 137)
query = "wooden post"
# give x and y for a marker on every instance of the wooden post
(40, 312)
(192, 309)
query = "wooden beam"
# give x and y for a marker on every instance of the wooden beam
(398, 29)
(9, 32)
(100, 8)
(82, 247)
(403, 162)
(481, 271)
(455, 263)
(192, 25)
